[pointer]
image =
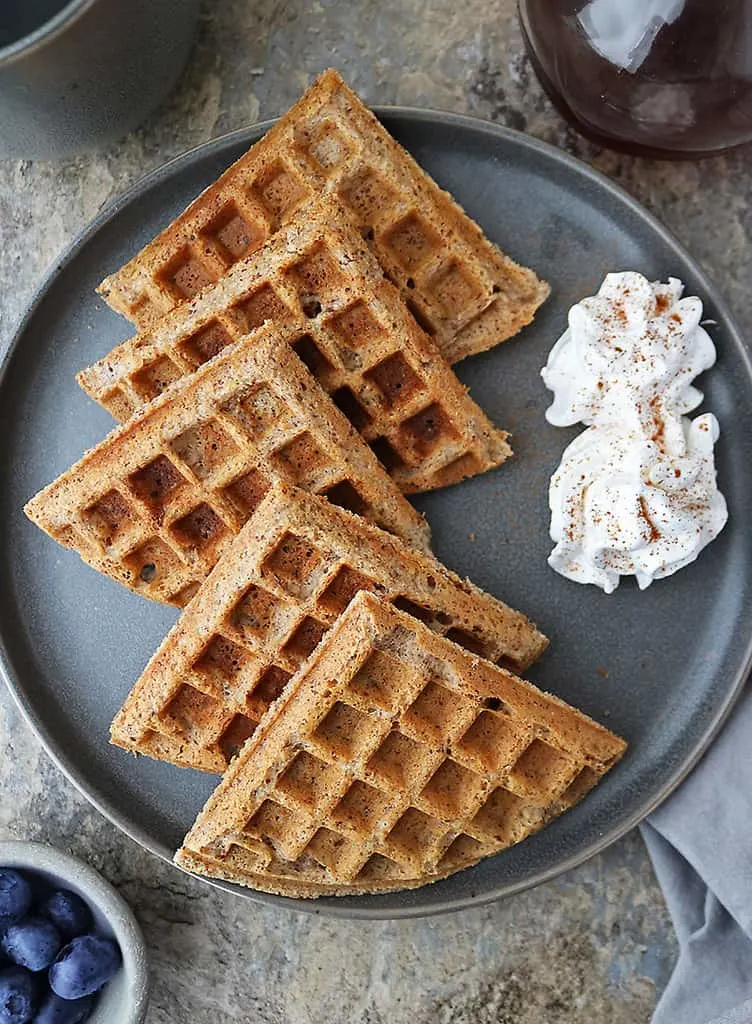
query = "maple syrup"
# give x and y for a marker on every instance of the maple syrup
(668, 78)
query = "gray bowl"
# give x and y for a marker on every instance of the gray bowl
(124, 999)
(90, 73)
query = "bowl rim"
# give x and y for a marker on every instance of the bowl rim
(45, 32)
(31, 856)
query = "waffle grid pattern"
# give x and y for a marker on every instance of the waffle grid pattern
(326, 296)
(297, 566)
(394, 758)
(159, 500)
(459, 286)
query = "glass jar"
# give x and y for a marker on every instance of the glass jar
(668, 78)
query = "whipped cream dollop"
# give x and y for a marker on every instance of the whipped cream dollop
(635, 493)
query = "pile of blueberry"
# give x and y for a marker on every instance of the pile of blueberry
(51, 963)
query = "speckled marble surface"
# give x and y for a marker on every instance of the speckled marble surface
(595, 945)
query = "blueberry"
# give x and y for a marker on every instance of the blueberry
(55, 1010)
(15, 893)
(33, 943)
(16, 996)
(68, 913)
(84, 966)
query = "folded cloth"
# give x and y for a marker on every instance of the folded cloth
(700, 843)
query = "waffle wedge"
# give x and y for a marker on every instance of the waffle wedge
(154, 505)
(297, 563)
(393, 759)
(326, 295)
(466, 292)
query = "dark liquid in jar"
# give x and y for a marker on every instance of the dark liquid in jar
(19, 18)
(653, 77)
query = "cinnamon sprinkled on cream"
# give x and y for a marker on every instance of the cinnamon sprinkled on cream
(635, 493)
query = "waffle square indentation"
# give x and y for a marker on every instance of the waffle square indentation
(469, 641)
(438, 714)
(367, 194)
(304, 640)
(154, 378)
(345, 495)
(317, 278)
(347, 403)
(247, 492)
(253, 615)
(581, 784)
(279, 189)
(355, 326)
(256, 409)
(341, 856)
(400, 763)
(386, 453)
(271, 684)
(192, 713)
(201, 528)
(463, 850)
(233, 233)
(233, 738)
(202, 346)
(205, 448)
(395, 379)
(221, 661)
(152, 562)
(542, 771)
(452, 792)
(493, 741)
(272, 821)
(361, 809)
(109, 517)
(505, 817)
(261, 305)
(412, 240)
(381, 680)
(428, 429)
(342, 588)
(185, 275)
(293, 560)
(379, 869)
(455, 290)
(418, 611)
(309, 782)
(157, 481)
(311, 355)
(301, 460)
(415, 840)
(345, 732)
(324, 143)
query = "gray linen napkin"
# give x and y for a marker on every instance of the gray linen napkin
(700, 843)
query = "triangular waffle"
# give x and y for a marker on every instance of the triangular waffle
(155, 503)
(296, 565)
(466, 292)
(393, 759)
(328, 298)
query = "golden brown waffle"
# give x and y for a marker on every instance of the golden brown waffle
(465, 292)
(328, 298)
(393, 759)
(155, 504)
(296, 565)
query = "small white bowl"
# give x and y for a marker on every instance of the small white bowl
(124, 999)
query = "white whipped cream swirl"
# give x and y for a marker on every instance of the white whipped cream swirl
(635, 493)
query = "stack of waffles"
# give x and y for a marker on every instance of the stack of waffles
(289, 384)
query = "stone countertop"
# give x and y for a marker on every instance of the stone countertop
(595, 944)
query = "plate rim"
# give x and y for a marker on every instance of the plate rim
(350, 909)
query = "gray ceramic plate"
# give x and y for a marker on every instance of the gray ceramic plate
(661, 667)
